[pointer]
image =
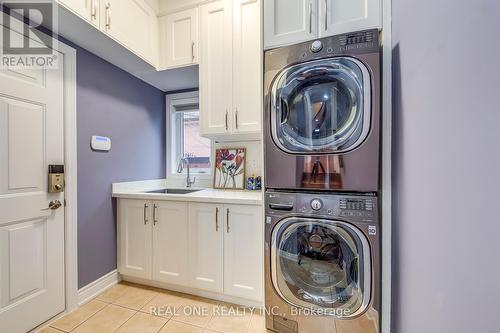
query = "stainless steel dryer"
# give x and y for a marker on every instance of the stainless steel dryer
(322, 114)
(322, 263)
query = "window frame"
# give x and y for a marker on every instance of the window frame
(173, 101)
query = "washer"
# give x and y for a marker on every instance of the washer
(322, 263)
(322, 114)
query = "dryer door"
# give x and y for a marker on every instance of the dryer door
(321, 265)
(321, 106)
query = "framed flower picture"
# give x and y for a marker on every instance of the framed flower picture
(229, 168)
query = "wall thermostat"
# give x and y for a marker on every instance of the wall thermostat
(100, 143)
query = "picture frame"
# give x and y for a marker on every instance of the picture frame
(230, 168)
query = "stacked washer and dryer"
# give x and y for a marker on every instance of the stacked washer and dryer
(322, 180)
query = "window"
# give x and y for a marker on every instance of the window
(186, 142)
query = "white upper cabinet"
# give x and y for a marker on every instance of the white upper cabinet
(134, 237)
(247, 69)
(86, 9)
(134, 24)
(340, 16)
(216, 68)
(289, 21)
(230, 69)
(170, 242)
(243, 252)
(293, 21)
(179, 39)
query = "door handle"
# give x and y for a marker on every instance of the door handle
(155, 220)
(310, 17)
(94, 9)
(216, 219)
(236, 117)
(227, 220)
(192, 50)
(226, 120)
(53, 205)
(108, 15)
(146, 214)
(326, 15)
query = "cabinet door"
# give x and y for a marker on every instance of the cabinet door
(289, 21)
(247, 55)
(134, 24)
(170, 242)
(205, 246)
(216, 68)
(134, 237)
(340, 16)
(179, 38)
(86, 9)
(243, 252)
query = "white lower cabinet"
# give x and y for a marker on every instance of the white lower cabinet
(206, 246)
(134, 238)
(243, 252)
(170, 242)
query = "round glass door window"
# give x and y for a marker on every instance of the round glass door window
(323, 266)
(322, 106)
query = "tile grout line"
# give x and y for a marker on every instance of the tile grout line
(74, 328)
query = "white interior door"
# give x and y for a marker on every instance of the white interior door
(31, 239)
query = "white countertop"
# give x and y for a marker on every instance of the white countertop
(137, 190)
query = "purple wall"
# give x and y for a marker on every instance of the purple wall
(111, 102)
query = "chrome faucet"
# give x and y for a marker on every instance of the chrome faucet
(184, 162)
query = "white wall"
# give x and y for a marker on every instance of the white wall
(446, 166)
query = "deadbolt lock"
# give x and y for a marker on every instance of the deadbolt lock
(56, 178)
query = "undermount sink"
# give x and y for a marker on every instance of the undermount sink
(174, 191)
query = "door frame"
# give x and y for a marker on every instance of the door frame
(70, 162)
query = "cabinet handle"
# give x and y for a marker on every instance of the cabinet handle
(94, 9)
(236, 117)
(326, 15)
(217, 219)
(227, 220)
(310, 17)
(146, 214)
(227, 127)
(192, 50)
(155, 207)
(108, 15)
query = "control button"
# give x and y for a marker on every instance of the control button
(316, 204)
(269, 220)
(316, 46)
(330, 212)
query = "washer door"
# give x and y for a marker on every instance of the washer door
(322, 106)
(321, 265)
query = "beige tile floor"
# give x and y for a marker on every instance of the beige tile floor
(129, 308)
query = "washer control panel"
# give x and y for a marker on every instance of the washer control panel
(356, 208)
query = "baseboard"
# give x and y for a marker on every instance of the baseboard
(196, 292)
(93, 289)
